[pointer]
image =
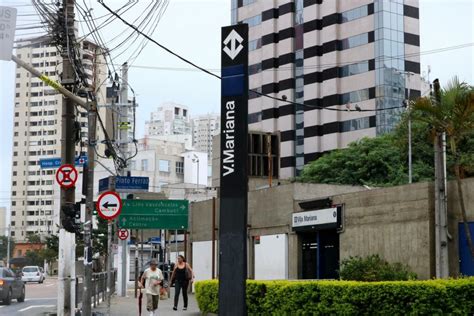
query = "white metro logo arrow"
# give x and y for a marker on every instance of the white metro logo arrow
(235, 47)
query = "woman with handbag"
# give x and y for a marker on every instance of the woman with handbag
(182, 275)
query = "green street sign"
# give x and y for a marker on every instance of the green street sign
(154, 214)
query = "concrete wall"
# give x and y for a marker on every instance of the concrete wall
(392, 222)
(396, 223)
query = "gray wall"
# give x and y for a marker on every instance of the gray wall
(396, 223)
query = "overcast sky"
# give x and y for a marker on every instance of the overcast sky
(192, 29)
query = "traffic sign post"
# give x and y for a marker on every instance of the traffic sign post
(66, 176)
(109, 205)
(154, 214)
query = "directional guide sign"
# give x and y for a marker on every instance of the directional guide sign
(154, 214)
(66, 176)
(109, 205)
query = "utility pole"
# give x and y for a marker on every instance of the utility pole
(90, 206)
(67, 157)
(123, 145)
(441, 221)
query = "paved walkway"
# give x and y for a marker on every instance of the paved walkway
(128, 306)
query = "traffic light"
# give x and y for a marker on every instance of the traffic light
(72, 217)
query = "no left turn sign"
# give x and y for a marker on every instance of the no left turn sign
(66, 176)
(109, 205)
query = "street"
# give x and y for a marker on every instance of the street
(40, 298)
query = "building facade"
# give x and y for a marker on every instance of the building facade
(204, 127)
(330, 58)
(37, 135)
(169, 119)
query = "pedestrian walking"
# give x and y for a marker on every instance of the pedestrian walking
(182, 275)
(151, 280)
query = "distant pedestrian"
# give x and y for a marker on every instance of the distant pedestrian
(182, 275)
(152, 278)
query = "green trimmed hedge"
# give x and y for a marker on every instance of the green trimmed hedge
(433, 297)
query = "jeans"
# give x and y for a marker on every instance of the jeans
(178, 286)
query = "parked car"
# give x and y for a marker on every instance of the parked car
(11, 286)
(32, 274)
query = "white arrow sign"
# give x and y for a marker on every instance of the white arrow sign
(235, 44)
(7, 32)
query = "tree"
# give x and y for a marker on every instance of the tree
(453, 113)
(34, 258)
(33, 238)
(369, 161)
(4, 246)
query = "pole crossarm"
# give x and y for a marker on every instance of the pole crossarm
(54, 84)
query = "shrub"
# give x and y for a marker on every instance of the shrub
(374, 268)
(433, 297)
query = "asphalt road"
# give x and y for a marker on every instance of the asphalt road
(40, 298)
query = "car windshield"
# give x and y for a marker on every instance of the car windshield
(30, 269)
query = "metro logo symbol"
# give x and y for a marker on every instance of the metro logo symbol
(235, 44)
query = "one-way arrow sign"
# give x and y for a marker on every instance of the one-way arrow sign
(109, 205)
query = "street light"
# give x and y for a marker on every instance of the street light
(196, 160)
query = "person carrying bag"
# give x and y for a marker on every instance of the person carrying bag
(182, 275)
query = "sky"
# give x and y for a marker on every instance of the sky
(191, 28)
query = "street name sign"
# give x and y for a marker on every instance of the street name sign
(109, 205)
(47, 163)
(125, 184)
(7, 32)
(154, 214)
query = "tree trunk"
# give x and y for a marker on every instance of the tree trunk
(463, 209)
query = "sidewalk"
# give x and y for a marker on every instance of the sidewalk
(128, 306)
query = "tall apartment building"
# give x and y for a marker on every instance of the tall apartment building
(329, 55)
(204, 127)
(35, 194)
(169, 119)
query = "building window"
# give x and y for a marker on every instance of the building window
(258, 150)
(354, 69)
(255, 44)
(253, 21)
(13, 223)
(164, 166)
(144, 165)
(354, 41)
(179, 167)
(354, 14)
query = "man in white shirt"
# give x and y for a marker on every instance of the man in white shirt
(152, 277)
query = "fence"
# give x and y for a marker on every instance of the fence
(99, 287)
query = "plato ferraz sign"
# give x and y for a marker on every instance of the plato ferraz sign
(315, 218)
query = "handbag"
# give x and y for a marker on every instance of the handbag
(188, 273)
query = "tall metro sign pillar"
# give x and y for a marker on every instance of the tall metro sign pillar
(233, 171)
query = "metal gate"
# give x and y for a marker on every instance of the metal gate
(466, 261)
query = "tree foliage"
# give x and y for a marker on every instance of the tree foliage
(383, 160)
(374, 268)
(4, 247)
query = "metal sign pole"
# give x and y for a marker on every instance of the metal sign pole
(109, 264)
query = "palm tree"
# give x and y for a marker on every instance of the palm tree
(452, 112)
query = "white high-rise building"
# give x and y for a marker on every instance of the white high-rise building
(169, 119)
(204, 128)
(35, 205)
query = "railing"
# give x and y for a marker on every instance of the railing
(99, 287)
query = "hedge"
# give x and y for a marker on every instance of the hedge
(432, 297)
